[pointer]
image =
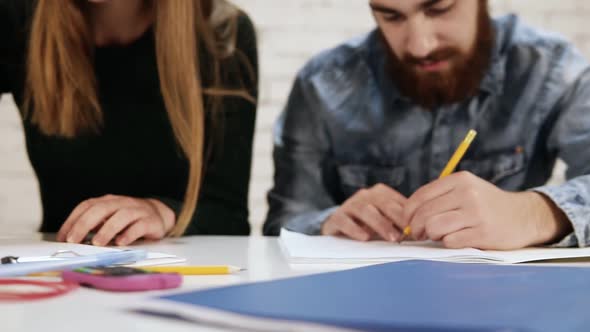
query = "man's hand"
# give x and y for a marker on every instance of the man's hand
(463, 210)
(369, 212)
(119, 218)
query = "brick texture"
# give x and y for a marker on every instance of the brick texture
(289, 32)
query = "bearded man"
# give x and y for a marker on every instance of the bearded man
(370, 124)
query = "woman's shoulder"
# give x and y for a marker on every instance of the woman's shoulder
(236, 36)
(245, 25)
(246, 35)
(246, 39)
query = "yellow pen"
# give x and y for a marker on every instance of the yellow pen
(449, 168)
(194, 270)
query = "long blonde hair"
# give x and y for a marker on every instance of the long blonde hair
(61, 51)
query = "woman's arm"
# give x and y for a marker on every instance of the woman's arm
(223, 203)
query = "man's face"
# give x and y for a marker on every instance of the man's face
(433, 46)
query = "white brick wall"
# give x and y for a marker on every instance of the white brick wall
(289, 32)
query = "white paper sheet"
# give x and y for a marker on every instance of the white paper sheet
(301, 248)
(30, 250)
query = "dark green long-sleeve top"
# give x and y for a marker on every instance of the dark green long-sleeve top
(135, 153)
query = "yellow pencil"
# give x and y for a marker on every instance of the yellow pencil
(184, 270)
(459, 153)
(449, 168)
(45, 274)
(194, 270)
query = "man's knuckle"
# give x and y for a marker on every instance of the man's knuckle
(430, 233)
(132, 232)
(347, 227)
(366, 212)
(430, 229)
(391, 211)
(450, 242)
(369, 208)
(337, 216)
(420, 216)
(142, 227)
(361, 194)
(470, 193)
(465, 176)
(328, 224)
(360, 235)
(108, 228)
(483, 232)
(379, 187)
(352, 206)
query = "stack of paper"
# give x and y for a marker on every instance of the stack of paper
(33, 251)
(301, 248)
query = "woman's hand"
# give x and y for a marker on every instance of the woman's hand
(119, 218)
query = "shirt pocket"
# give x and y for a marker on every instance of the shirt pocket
(356, 177)
(497, 168)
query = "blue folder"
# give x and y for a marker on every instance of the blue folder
(417, 296)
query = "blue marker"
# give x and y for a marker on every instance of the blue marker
(102, 259)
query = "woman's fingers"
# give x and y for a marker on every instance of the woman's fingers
(116, 224)
(151, 228)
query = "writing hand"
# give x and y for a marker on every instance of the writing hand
(463, 210)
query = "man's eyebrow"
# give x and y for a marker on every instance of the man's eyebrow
(382, 9)
(388, 10)
(428, 3)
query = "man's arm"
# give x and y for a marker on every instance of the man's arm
(299, 200)
(302, 199)
(463, 210)
(570, 140)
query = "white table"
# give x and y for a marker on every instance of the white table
(87, 310)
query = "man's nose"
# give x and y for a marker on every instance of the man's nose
(421, 38)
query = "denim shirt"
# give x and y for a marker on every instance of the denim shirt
(346, 127)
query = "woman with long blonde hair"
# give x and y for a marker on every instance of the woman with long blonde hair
(138, 114)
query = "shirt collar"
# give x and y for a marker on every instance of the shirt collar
(493, 80)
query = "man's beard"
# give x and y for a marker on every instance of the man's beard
(459, 82)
